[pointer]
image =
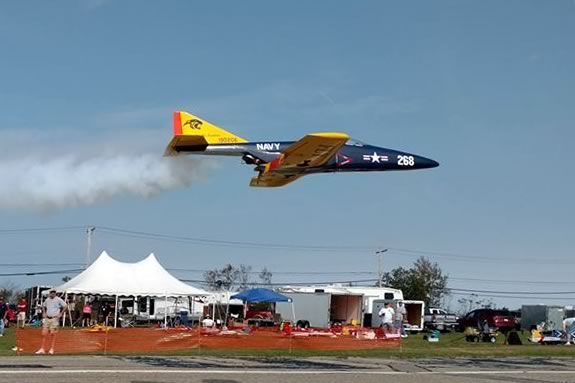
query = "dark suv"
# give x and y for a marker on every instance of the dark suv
(500, 319)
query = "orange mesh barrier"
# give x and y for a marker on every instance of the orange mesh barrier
(148, 340)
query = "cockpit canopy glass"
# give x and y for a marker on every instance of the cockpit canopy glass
(354, 142)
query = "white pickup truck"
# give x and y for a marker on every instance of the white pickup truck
(439, 319)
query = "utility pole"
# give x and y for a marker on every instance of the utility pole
(90, 230)
(379, 269)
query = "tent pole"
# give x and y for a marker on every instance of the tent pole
(225, 326)
(166, 313)
(192, 311)
(64, 315)
(116, 313)
(293, 313)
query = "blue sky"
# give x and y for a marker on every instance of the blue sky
(486, 88)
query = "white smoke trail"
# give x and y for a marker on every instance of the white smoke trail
(35, 184)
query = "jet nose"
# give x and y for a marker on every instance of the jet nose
(425, 163)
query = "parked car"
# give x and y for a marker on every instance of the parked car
(439, 319)
(499, 319)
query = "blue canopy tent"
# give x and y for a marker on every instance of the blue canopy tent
(263, 295)
(260, 295)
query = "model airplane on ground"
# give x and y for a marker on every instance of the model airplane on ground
(279, 162)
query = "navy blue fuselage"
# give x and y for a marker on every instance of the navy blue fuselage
(351, 157)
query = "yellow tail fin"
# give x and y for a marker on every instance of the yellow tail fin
(192, 133)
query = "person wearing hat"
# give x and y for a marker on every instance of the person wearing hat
(52, 309)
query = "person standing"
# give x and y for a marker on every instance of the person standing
(569, 328)
(3, 315)
(86, 315)
(105, 308)
(71, 307)
(53, 308)
(400, 314)
(386, 314)
(95, 304)
(37, 310)
(22, 307)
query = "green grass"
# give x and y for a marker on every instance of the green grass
(449, 346)
(8, 341)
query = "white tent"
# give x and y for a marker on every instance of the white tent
(108, 276)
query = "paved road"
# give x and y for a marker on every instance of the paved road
(140, 369)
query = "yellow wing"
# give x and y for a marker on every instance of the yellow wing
(274, 179)
(314, 150)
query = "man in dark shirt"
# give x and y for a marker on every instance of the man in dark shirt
(3, 313)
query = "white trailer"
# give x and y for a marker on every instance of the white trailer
(372, 294)
(322, 305)
(320, 309)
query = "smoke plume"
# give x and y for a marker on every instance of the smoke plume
(71, 181)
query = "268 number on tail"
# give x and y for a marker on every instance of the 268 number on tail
(405, 160)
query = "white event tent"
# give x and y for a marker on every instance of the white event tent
(108, 276)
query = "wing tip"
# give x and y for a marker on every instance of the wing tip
(334, 135)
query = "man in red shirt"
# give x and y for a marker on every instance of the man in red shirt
(22, 307)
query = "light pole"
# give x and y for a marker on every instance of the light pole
(379, 270)
(90, 230)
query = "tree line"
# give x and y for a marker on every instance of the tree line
(232, 277)
(424, 280)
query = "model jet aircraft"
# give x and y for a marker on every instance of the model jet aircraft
(279, 162)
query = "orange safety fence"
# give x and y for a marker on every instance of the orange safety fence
(149, 340)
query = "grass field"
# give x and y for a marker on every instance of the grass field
(7, 342)
(450, 346)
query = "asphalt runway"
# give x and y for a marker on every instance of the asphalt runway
(147, 369)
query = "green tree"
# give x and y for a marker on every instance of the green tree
(244, 276)
(266, 277)
(10, 292)
(473, 301)
(228, 278)
(423, 281)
